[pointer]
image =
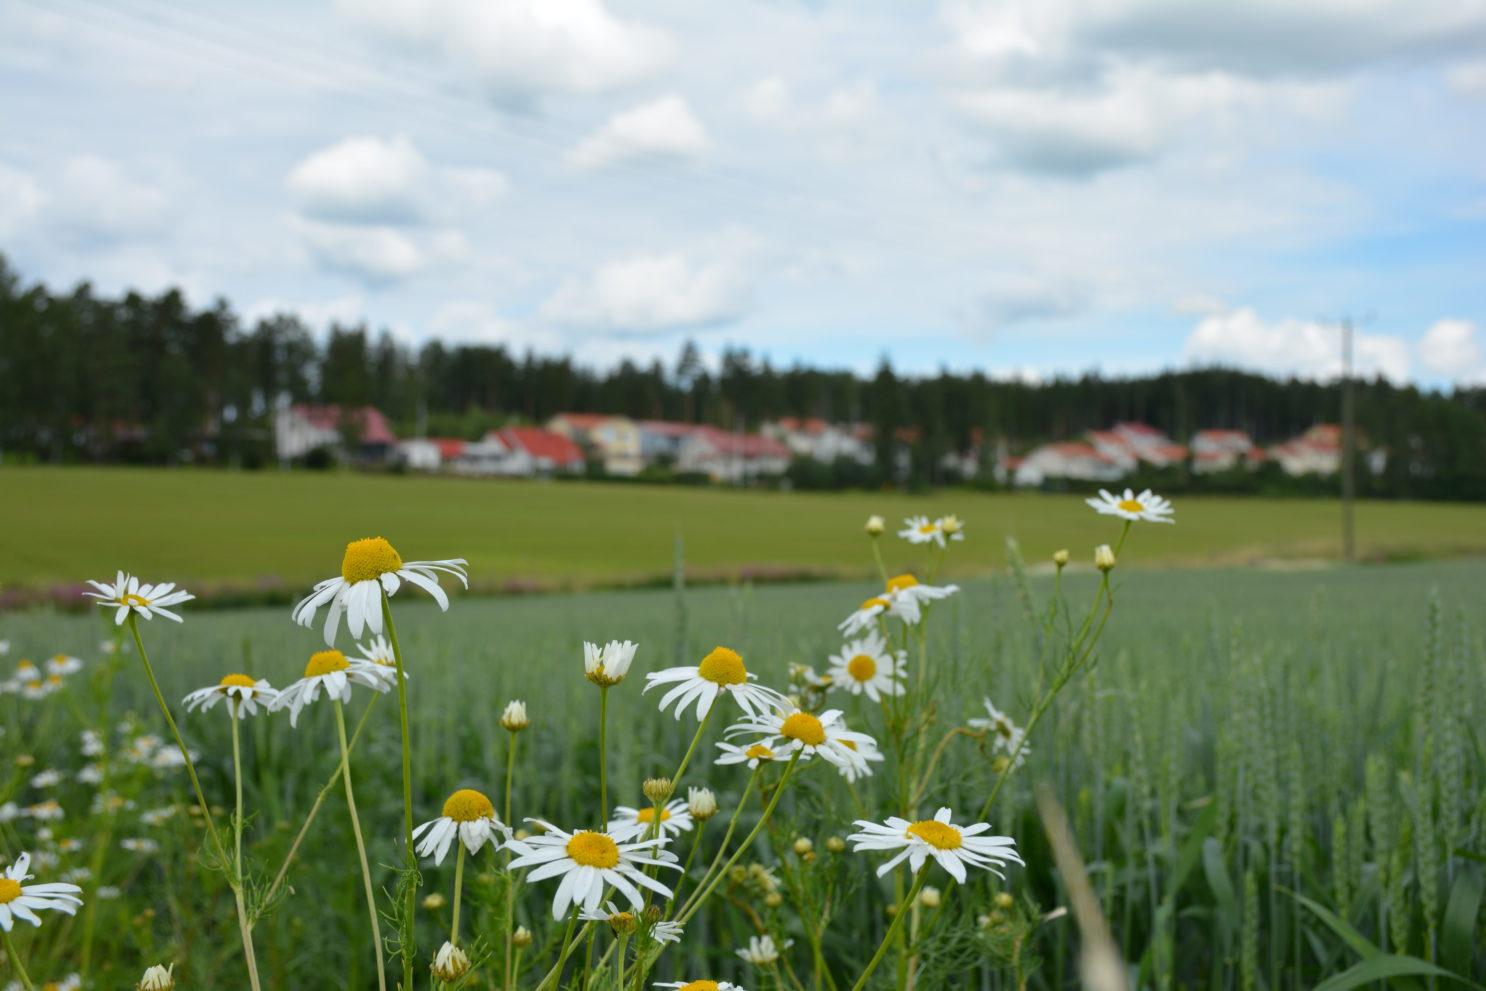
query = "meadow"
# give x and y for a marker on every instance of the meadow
(210, 526)
(1275, 777)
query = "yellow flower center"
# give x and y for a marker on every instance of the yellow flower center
(804, 727)
(369, 559)
(1131, 505)
(236, 681)
(861, 667)
(51, 986)
(9, 890)
(759, 752)
(593, 850)
(622, 920)
(324, 662)
(467, 805)
(723, 667)
(939, 835)
(648, 815)
(54, 679)
(876, 600)
(901, 582)
(25, 667)
(131, 599)
(699, 986)
(927, 527)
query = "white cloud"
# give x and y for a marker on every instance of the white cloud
(648, 293)
(363, 179)
(1451, 350)
(663, 128)
(1303, 348)
(518, 49)
(476, 322)
(772, 101)
(375, 180)
(768, 99)
(21, 200)
(374, 255)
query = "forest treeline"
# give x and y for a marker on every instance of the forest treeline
(85, 377)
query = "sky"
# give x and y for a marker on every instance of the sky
(1025, 188)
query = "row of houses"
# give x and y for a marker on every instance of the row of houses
(625, 447)
(1110, 455)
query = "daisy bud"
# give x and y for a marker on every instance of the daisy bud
(836, 844)
(773, 899)
(657, 789)
(1004, 899)
(737, 875)
(24, 760)
(951, 525)
(157, 978)
(929, 897)
(875, 526)
(521, 938)
(1000, 764)
(803, 845)
(514, 718)
(435, 901)
(652, 915)
(1104, 558)
(450, 963)
(1060, 557)
(623, 923)
(701, 803)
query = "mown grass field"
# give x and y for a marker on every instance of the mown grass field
(1246, 737)
(66, 524)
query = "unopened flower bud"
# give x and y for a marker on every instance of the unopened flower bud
(875, 526)
(521, 938)
(1104, 558)
(157, 978)
(657, 789)
(1000, 764)
(1004, 900)
(803, 845)
(434, 901)
(951, 525)
(653, 915)
(701, 803)
(514, 718)
(1060, 557)
(836, 844)
(737, 875)
(929, 897)
(623, 923)
(450, 963)
(773, 899)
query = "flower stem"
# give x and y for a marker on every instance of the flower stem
(892, 930)
(244, 929)
(619, 964)
(567, 947)
(458, 889)
(237, 779)
(732, 824)
(701, 727)
(405, 945)
(510, 881)
(603, 756)
(15, 960)
(371, 896)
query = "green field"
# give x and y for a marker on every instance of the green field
(1245, 735)
(64, 525)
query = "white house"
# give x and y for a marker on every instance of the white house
(1070, 460)
(301, 428)
(1318, 451)
(1221, 450)
(826, 442)
(731, 457)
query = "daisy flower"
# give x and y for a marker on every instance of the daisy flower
(675, 819)
(450, 963)
(667, 931)
(751, 754)
(607, 665)
(869, 666)
(127, 595)
(1008, 737)
(720, 671)
(784, 732)
(239, 688)
(335, 673)
(951, 526)
(63, 664)
(906, 597)
(470, 816)
(921, 530)
(588, 862)
(370, 568)
(19, 900)
(954, 847)
(865, 747)
(378, 651)
(1147, 506)
(699, 986)
(762, 951)
(157, 978)
(865, 616)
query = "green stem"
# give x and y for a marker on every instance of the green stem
(877, 555)
(237, 778)
(732, 824)
(244, 929)
(619, 964)
(405, 935)
(458, 889)
(603, 818)
(676, 778)
(892, 930)
(15, 960)
(371, 895)
(567, 947)
(510, 881)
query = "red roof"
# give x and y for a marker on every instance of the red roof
(541, 444)
(1219, 435)
(373, 427)
(1167, 452)
(449, 447)
(742, 445)
(1074, 449)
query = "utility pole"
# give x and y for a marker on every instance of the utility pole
(1349, 446)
